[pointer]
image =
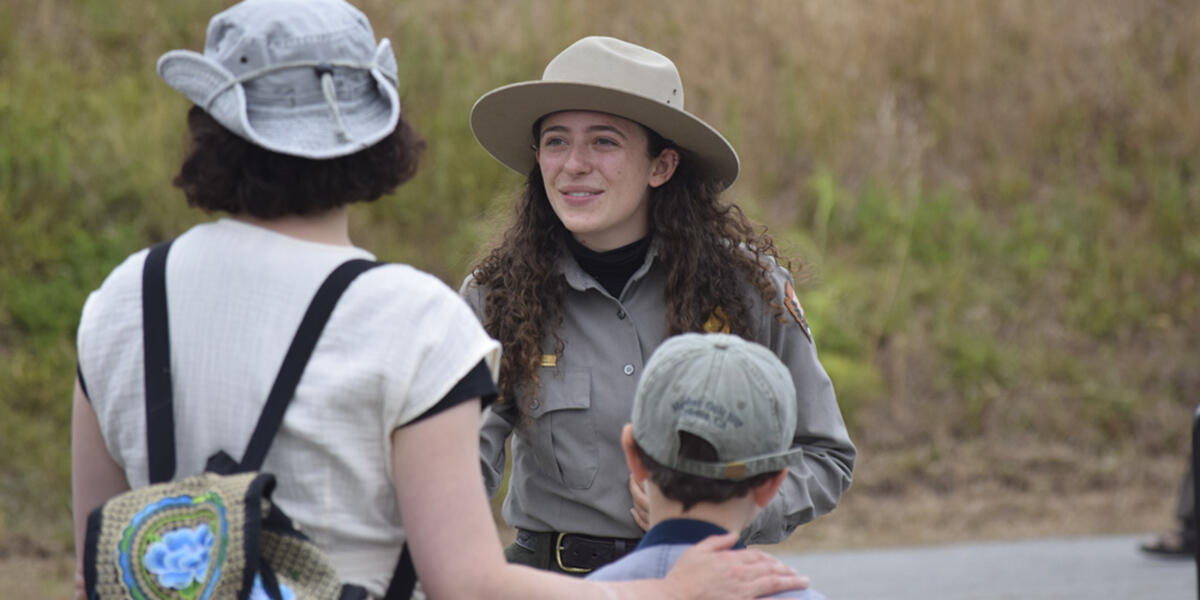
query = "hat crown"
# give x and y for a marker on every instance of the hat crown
(617, 64)
(254, 34)
(734, 394)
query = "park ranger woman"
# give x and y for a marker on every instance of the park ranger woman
(620, 240)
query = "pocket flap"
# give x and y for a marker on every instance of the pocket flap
(562, 389)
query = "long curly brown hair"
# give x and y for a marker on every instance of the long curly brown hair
(708, 247)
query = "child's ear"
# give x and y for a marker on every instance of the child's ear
(766, 490)
(631, 456)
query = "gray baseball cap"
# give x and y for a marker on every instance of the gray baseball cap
(733, 394)
(298, 77)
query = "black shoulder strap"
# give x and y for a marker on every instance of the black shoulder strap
(297, 357)
(1194, 471)
(404, 579)
(156, 351)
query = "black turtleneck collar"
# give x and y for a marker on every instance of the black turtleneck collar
(611, 268)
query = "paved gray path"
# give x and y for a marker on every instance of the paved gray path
(1044, 569)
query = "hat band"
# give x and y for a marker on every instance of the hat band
(736, 470)
(243, 78)
(324, 70)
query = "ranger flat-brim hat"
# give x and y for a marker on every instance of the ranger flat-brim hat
(601, 74)
(297, 77)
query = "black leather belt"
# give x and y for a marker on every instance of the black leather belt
(577, 553)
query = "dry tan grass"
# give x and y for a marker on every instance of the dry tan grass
(920, 517)
(31, 577)
(975, 492)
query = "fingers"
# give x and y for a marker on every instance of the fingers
(640, 520)
(760, 574)
(641, 505)
(767, 575)
(770, 585)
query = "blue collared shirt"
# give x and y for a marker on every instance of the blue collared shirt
(661, 547)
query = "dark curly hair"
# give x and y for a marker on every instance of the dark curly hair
(710, 250)
(223, 172)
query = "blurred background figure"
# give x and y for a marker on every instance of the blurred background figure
(1180, 541)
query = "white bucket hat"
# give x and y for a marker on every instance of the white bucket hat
(298, 77)
(607, 75)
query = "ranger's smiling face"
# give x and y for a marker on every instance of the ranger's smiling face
(598, 175)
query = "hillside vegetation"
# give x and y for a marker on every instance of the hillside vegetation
(997, 206)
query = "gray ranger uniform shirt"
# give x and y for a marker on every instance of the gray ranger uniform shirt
(569, 472)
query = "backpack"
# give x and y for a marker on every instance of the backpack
(217, 534)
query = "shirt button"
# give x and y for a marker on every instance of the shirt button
(621, 314)
(629, 369)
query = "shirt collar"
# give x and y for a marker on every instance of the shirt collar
(681, 531)
(579, 280)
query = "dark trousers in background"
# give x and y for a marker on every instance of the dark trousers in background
(1185, 505)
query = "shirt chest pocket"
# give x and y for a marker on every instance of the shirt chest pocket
(566, 439)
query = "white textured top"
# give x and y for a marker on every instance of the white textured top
(396, 343)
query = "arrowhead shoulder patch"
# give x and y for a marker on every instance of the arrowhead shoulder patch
(793, 306)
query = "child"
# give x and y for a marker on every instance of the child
(711, 437)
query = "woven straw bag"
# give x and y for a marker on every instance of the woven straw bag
(205, 536)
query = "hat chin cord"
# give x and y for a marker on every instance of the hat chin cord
(326, 73)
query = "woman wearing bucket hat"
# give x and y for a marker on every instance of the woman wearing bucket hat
(620, 240)
(296, 116)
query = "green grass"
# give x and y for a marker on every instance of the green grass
(1000, 210)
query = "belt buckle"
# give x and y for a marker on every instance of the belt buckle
(558, 557)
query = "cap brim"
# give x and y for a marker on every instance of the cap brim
(741, 469)
(502, 121)
(294, 130)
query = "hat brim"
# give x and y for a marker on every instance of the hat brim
(736, 470)
(304, 130)
(502, 121)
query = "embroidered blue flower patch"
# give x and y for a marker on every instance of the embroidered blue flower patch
(175, 548)
(181, 557)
